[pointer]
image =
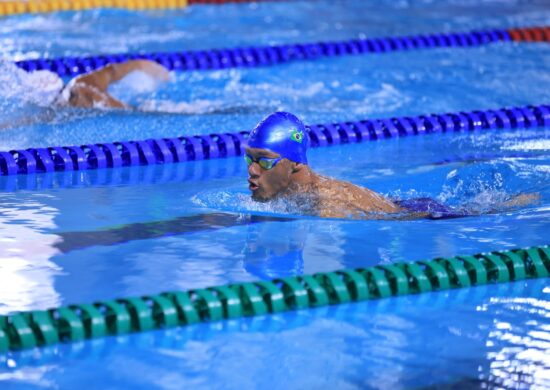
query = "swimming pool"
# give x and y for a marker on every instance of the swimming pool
(79, 236)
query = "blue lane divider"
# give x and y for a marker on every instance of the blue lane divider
(267, 55)
(203, 147)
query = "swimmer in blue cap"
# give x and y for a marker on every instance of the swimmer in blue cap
(278, 168)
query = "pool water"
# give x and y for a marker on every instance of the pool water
(84, 236)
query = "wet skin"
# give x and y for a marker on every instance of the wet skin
(329, 197)
(267, 184)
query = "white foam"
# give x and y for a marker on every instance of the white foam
(387, 98)
(541, 144)
(38, 87)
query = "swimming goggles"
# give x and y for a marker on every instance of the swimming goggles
(264, 162)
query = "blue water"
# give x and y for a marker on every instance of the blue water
(85, 236)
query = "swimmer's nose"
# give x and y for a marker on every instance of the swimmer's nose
(254, 170)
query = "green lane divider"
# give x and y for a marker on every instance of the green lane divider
(115, 317)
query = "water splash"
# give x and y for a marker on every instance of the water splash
(489, 186)
(473, 189)
(243, 203)
(27, 99)
(39, 87)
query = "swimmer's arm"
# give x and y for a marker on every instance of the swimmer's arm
(102, 78)
(90, 90)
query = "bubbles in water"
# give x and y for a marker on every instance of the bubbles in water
(409, 194)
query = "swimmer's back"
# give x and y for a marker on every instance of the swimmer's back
(341, 199)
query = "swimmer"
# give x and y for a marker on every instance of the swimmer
(48, 91)
(278, 168)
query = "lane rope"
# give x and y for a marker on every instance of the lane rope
(44, 6)
(78, 322)
(223, 145)
(278, 54)
(262, 324)
(534, 34)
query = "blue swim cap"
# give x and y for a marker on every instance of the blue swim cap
(282, 133)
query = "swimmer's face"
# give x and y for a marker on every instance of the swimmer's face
(266, 184)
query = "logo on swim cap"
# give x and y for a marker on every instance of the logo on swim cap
(297, 136)
(282, 133)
